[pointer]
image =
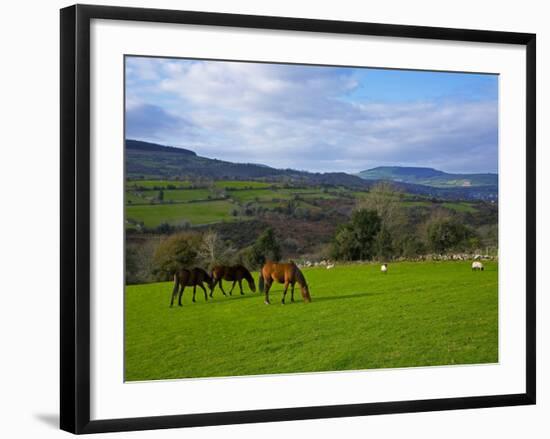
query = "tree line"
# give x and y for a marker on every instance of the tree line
(379, 228)
(190, 248)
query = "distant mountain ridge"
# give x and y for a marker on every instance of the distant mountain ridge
(145, 160)
(150, 160)
(139, 145)
(428, 177)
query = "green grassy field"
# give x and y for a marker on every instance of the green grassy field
(460, 207)
(196, 213)
(246, 195)
(223, 184)
(277, 194)
(158, 184)
(187, 194)
(143, 204)
(417, 204)
(176, 195)
(419, 314)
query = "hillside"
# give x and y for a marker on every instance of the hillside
(429, 177)
(149, 160)
(138, 145)
(145, 160)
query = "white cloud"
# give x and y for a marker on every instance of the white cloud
(304, 117)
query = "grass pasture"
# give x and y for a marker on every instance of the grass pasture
(246, 195)
(262, 195)
(182, 195)
(175, 195)
(156, 184)
(206, 212)
(144, 203)
(461, 207)
(235, 184)
(419, 314)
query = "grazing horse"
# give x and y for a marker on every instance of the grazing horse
(187, 278)
(235, 273)
(287, 274)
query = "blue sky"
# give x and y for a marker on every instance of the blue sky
(315, 118)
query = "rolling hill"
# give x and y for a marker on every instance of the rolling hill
(145, 160)
(149, 160)
(429, 177)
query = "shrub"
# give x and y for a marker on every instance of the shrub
(265, 248)
(251, 258)
(291, 245)
(448, 234)
(345, 246)
(412, 246)
(178, 250)
(384, 244)
(138, 261)
(164, 228)
(356, 240)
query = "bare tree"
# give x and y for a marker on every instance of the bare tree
(213, 250)
(385, 199)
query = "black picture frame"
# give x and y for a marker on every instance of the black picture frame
(75, 217)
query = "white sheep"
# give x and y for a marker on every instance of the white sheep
(329, 266)
(384, 268)
(477, 266)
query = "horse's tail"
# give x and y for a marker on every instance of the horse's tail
(303, 285)
(250, 280)
(261, 282)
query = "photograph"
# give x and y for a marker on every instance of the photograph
(295, 218)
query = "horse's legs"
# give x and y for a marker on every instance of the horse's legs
(292, 292)
(174, 294)
(241, 286)
(221, 288)
(204, 289)
(194, 292)
(213, 287)
(232, 286)
(181, 294)
(284, 292)
(267, 288)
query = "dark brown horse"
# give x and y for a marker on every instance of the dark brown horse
(235, 273)
(187, 278)
(287, 274)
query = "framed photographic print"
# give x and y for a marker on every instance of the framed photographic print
(268, 218)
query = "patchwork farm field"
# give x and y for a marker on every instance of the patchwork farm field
(419, 314)
(153, 202)
(195, 213)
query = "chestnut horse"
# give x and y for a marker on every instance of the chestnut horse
(187, 278)
(235, 273)
(287, 274)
